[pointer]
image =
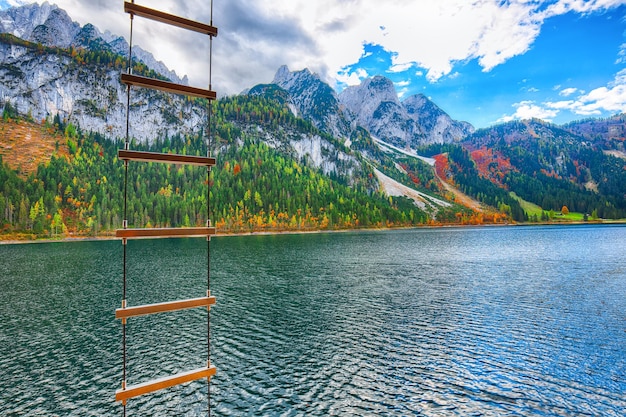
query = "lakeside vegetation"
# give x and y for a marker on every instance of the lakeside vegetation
(79, 191)
(86, 201)
(59, 181)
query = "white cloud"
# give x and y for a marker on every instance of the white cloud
(529, 110)
(598, 102)
(10, 3)
(611, 98)
(257, 36)
(601, 100)
(432, 34)
(402, 92)
(352, 78)
(400, 67)
(620, 78)
(621, 55)
(568, 92)
(580, 6)
(561, 105)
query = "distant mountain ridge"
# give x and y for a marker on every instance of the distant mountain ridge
(373, 105)
(50, 25)
(554, 166)
(47, 73)
(46, 88)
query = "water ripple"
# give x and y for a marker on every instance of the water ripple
(452, 322)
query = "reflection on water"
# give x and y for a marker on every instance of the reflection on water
(473, 321)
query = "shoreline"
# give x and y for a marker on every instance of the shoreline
(319, 231)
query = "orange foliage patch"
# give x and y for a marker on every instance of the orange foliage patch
(414, 178)
(442, 165)
(25, 145)
(491, 165)
(550, 173)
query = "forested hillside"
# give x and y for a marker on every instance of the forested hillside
(552, 166)
(455, 165)
(253, 187)
(290, 156)
(261, 184)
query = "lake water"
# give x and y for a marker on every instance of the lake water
(500, 321)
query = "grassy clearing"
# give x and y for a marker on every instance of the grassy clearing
(571, 217)
(530, 208)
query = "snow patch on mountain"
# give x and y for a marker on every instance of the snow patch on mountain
(424, 201)
(409, 152)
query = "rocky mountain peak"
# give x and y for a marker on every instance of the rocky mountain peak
(380, 85)
(441, 128)
(417, 101)
(58, 30)
(51, 26)
(367, 96)
(374, 104)
(44, 84)
(313, 99)
(282, 75)
(45, 24)
(302, 79)
(20, 21)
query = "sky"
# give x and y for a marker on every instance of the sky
(481, 61)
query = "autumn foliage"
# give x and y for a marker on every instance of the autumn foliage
(491, 164)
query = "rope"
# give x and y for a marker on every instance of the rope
(125, 221)
(209, 146)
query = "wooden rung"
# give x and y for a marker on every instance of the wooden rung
(124, 313)
(170, 19)
(129, 155)
(166, 86)
(161, 383)
(165, 232)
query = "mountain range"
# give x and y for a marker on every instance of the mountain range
(53, 68)
(373, 104)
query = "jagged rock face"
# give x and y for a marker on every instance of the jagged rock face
(51, 26)
(363, 100)
(313, 150)
(436, 123)
(93, 98)
(45, 84)
(22, 21)
(89, 37)
(57, 30)
(374, 105)
(313, 100)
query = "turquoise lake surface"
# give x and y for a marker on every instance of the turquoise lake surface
(484, 321)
